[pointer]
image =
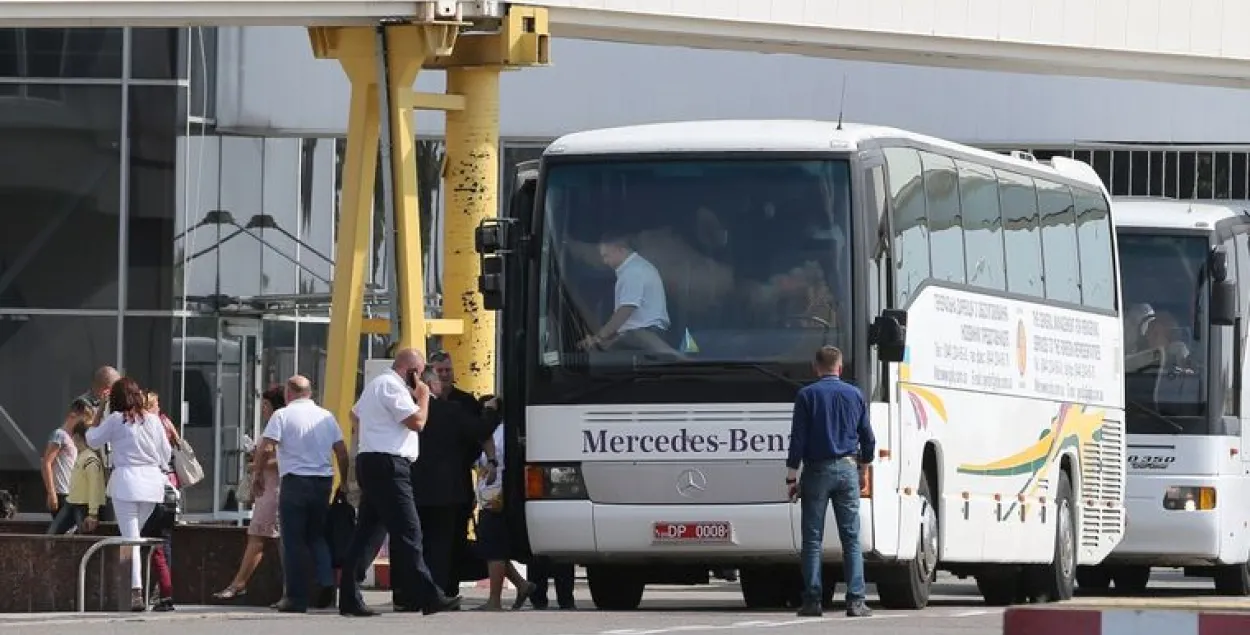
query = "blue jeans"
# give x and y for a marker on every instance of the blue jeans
(303, 503)
(822, 483)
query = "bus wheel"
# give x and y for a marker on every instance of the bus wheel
(614, 588)
(1093, 578)
(1056, 581)
(910, 589)
(1233, 579)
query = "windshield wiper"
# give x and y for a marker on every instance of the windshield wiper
(1155, 414)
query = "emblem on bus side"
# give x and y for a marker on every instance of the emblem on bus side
(691, 483)
(1022, 348)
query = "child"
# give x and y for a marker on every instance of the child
(86, 482)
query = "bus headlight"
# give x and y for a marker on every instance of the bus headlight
(554, 482)
(1189, 498)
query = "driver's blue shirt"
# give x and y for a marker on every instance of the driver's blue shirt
(830, 422)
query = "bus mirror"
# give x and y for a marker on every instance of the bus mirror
(1217, 263)
(889, 334)
(491, 283)
(1223, 303)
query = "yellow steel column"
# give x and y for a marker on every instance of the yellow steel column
(354, 48)
(407, 50)
(470, 181)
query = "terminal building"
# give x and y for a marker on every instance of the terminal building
(170, 195)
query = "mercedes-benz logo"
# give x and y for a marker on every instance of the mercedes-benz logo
(691, 483)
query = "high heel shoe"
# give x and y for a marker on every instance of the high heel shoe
(230, 593)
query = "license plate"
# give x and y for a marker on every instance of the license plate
(693, 532)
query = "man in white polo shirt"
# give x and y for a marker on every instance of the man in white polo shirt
(305, 435)
(391, 411)
(640, 317)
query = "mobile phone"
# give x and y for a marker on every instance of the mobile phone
(411, 378)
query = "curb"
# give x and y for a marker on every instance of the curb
(1117, 621)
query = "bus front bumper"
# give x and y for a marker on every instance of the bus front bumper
(1165, 537)
(590, 532)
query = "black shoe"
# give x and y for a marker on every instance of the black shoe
(568, 606)
(811, 610)
(858, 609)
(164, 605)
(538, 605)
(357, 611)
(400, 607)
(324, 598)
(442, 605)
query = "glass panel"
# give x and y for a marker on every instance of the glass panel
(1024, 266)
(1059, 252)
(910, 225)
(1164, 351)
(147, 357)
(193, 380)
(983, 227)
(155, 113)
(45, 362)
(946, 237)
(60, 53)
(203, 69)
(1094, 241)
(155, 53)
(59, 162)
(735, 261)
(514, 153)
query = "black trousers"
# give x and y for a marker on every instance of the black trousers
(439, 528)
(542, 569)
(385, 482)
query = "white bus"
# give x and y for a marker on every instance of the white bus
(974, 295)
(1186, 274)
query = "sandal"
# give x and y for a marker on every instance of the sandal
(230, 593)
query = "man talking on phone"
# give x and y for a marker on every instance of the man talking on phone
(391, 411)
(830, 437)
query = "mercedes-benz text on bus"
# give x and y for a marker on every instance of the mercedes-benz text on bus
(1186, 273)
(975, 298)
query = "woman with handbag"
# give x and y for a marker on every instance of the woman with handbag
(141, 453)
(264, 526)
(491, 528)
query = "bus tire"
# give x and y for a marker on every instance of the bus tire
(1233, 579)
(910, 588)
(1056, 582)
(614, 588)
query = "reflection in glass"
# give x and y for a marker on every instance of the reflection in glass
(45, 362)
(1021, 239)
(983, 226)
(911, 225)
(60, 53)
(1058, 222)
(156, 52)
(1097, 268)
(754, 257)
(946, 236)
(155, 120)
(1165, 358)
(59, 183)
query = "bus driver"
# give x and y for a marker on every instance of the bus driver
(640, 315)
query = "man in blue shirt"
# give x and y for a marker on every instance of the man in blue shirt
(831, 438)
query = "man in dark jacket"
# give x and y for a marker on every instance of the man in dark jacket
(442, 482)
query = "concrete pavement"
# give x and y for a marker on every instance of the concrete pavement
(956, 609)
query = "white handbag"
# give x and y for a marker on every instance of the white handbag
(186, 465)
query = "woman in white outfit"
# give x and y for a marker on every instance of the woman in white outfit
(140, 450)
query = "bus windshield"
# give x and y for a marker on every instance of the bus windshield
(729, 264)
(1165, 353)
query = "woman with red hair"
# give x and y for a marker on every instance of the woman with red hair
(140, 454)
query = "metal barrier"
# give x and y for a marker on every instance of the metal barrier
(114, 541)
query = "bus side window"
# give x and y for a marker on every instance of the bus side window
(879, 267)
(910, 252)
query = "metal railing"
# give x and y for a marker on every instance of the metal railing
(114, 541)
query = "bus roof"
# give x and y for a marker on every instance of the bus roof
(777, 135)
(1162, 213)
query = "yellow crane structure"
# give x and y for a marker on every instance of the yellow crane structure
(382, 64)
